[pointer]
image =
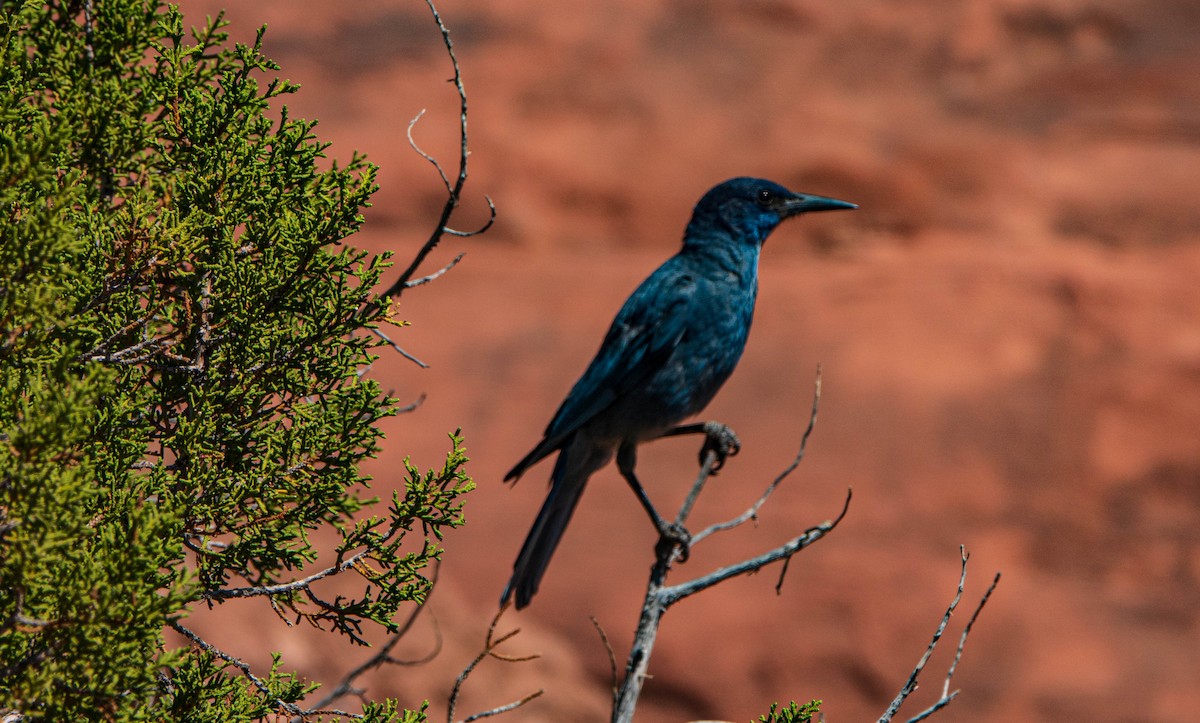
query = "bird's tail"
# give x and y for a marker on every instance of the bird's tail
(576, 462)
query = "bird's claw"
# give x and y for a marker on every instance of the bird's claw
(721, 441)
(674, 535)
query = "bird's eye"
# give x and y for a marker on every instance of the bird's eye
(766, 197)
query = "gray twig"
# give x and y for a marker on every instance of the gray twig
(412, 143)
(503, 708)
(263, 688)
(454, 190)
(426, 279)
(675, 593)
(89, 32)
(412, 406)
(912, 683)
(660, 596)
(398, 348)
(752, 512)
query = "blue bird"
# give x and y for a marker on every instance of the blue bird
(671, 347)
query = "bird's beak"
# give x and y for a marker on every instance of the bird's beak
(805, 203)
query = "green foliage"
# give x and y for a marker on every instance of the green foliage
(793, 713)
(201, 691)
(182, 337)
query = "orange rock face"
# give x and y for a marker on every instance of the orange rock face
(1009, 329)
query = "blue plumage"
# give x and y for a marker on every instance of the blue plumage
(670, 348)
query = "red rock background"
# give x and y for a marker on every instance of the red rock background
(1009, 328)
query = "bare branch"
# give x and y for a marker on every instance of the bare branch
(398, 349)
(18, 618)
(912, 683)
(719, 442)
(258, 683)
(675, 593)
(135, 354)
(204, 324)
(482, 229)
(783, 571)
(659, 597)
(504, 708)
(491, 642)
(689, 502)
(454, 191)
(612, 657)
(435, 274)
(962, 642)
(412, 406)
(752, 512)
(947, 694)
(412, 143)
(89, 32)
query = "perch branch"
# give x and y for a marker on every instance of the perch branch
(660, 596)
(752, 512)
(675, 593)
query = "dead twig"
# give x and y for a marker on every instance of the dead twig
(453, 189)
(752, 512)
(491, 642)
(612, 657)
(912, 683)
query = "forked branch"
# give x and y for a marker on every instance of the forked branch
(491, 643)
(660, 596)
(453, 189)
(947, 695)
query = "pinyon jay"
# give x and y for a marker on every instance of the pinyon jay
(671, 347)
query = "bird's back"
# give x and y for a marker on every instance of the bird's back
(700, 312)
(673, 344)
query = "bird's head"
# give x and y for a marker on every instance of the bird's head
(751, 208)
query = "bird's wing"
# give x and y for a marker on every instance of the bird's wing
(641, 338)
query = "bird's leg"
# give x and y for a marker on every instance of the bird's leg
(668, 532)
(718, 438)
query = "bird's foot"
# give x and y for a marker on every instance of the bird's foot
(674, 535)
(721, 441)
